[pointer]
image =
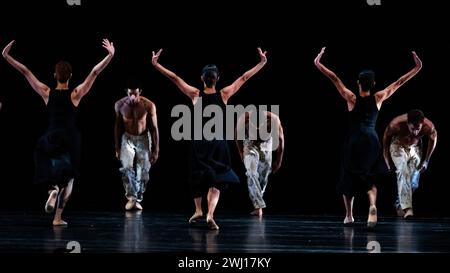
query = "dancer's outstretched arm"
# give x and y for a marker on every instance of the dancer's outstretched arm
(343, 90)
(83, 88)
(230, 90)
(388, 91)
(42, 89)
(187, 89)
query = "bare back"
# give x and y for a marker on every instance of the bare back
(399, 129)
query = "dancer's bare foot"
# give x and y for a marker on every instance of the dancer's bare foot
(349, 220)
(257, 212)
(400, 211)
(138, 206)
(408, 213)
(211, 223)
(130, 204)
(194, 219)
(372, 219)
(51, 201)
(59, 222)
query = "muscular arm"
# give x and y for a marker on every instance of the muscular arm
(190, 91)
(432, 141)
(83, 88)
(240, 146)
(280, 149)
(387, 138)
(152, 120)
(280, 143)
(42, 89)
(239, 134)
(118, 129)
(388, 91)
(344, 91)
(230, 90)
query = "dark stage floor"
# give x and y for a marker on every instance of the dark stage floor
(149, 232)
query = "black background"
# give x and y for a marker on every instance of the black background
(196, 33)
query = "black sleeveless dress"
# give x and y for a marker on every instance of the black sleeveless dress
(57, 154)
(362, 154)
(210, 159)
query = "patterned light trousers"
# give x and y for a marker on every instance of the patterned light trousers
(134, 155)
(406, 160)
(258, 164)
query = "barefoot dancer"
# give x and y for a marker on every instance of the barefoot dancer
(136, 121)
(403, 144)
(362, 158)
(256, 153)
(210, 160)
(57, 155)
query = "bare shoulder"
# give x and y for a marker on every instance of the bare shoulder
(429, 126)
(119, 103)
(381, 95)
(399, 119)
(274, 117)
(395, 126)
(148, 103)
